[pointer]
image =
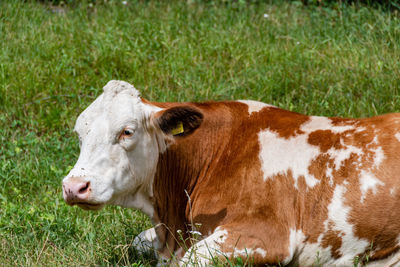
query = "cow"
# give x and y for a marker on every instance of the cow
(243, 179)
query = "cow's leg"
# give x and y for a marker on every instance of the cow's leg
(254, 244)
(146, 241)
(205, 251)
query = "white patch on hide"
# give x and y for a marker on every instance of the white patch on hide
(202, 253)
(260, 251)
(296, 239)
(340, 155)
(254, 106)
(329, 175)
(313, 254)
(323, 123)
(338, 215)
(368, 181)
(279, 155)
(379, 156)
(249, 252)
(392, 191)
(397, 136)
(360, 129)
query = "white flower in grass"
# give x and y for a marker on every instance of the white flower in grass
(266, 15)
(195, 233)
(125, 2)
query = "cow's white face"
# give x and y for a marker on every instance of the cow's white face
(119, 149)
(121, 138)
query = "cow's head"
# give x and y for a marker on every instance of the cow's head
(121, 138)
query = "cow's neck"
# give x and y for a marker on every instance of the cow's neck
(140, 199)
(177, 174)
(180, 169)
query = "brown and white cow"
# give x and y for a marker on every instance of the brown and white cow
(247, 179)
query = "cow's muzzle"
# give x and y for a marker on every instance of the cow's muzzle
(76, 191)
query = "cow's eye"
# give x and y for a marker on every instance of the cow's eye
(126, 133)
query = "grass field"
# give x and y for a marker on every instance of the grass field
(335, 61)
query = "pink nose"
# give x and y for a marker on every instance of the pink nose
(75, 190)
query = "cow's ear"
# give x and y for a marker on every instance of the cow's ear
(179, 121)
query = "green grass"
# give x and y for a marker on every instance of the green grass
(335, 61)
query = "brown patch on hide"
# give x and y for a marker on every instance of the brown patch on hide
(334, 240)
(325, 139)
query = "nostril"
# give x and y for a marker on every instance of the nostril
(85, 188)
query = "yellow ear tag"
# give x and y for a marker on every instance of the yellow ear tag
(178, 129)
